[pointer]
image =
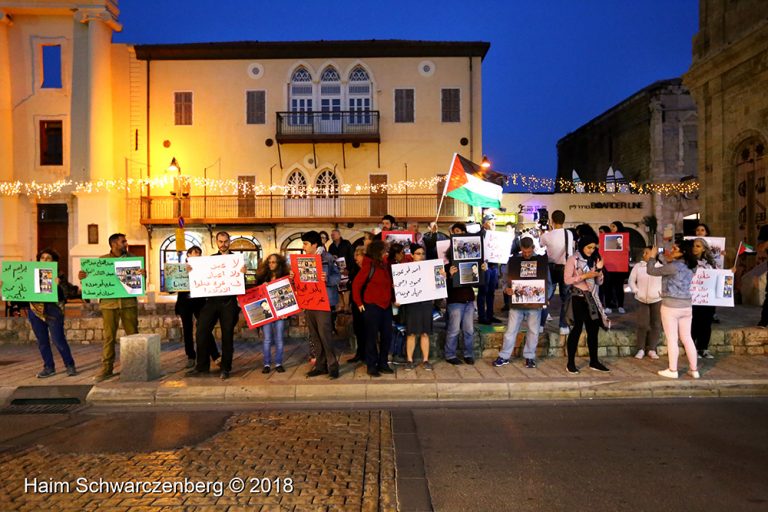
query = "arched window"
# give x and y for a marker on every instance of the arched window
(327, 184)
(297, 185)
(359, 93)
(301, 96)
(251, 250)
(292, 245)
(169, 254)
(330, 101)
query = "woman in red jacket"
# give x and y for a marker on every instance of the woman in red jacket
(372, 290)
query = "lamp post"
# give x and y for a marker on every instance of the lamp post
(180, 235)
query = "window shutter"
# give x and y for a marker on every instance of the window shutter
(183, 108)
(404, 109)
(256, 107)
(451, 106)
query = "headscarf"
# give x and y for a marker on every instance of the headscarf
(585, 241)
(619, 226)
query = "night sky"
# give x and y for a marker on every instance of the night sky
(553, 65)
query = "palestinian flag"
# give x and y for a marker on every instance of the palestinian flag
(744, 248)
(471, 184)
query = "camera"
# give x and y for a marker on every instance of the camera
(543, 219)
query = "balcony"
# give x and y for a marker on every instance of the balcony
(299, 210)
(340, 126)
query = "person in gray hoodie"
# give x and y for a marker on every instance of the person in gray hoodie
(676, 313)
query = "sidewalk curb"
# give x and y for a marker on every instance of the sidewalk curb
(176, 393)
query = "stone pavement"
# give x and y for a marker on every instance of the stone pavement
(285, 460)
(726, 375)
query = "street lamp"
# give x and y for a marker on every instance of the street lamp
(485, 164)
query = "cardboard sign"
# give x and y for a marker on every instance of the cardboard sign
(614, 249)
(30, 281)
(534, 268)
(176, 277)
(404, 238)
(712, 287)
(716, 245)
(269, 302)
(498, 246)
(419, 281)
(466, 253)
(112, 278)
(309, 288)
(216, 276)
(341, 263)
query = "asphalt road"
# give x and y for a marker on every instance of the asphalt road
(695, 454)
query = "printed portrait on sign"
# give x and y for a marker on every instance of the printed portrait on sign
(258, 311)
(467, 247)
(469, 273)
(307, 271)
(614, 243)
(528, 269)
(439, 277)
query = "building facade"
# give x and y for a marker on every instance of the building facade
(264, 140)
(651, 137)
(728, 79)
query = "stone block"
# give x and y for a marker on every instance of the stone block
(89, 335)
(755, 336)
(754, 351)
(611, 351)
(739, 350)
(139, 357)
(734, 337)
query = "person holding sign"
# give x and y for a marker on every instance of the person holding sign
(702, 316)
(584, 274)
(523, 270)
(274, 267)
(676, 315)
(319, 321)
(223, 309)
(188, 309)
(372, 292)
(486, 292)
(47, 322)
(115, 311)
(418, 321)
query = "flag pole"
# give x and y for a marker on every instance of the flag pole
(445, 189)
(738, 253)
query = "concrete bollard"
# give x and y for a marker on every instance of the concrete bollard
(139, 357)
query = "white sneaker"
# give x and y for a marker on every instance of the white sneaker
(608, 311)
(707, 355)
(694, 374)
(622, 310)
(670, 374)
(565, 331)
(652, 354)
(640, 354)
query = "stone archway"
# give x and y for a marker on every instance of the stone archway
(750, 166)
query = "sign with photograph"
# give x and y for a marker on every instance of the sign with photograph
(30, 281)
(498, 246)
(269, 302)
(614, 249)
(309, 288)
(712, 287)
(419, 281)
(527, 292)
(112, 278)
(176, 277)
(404, 238)
(341, 263)
(466, 254)
(216, 276)
(716, 245)
(534, 268)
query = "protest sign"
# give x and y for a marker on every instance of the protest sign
(309, 288)
(712, 287)
(176, 277)
(112, 278)
(614, 249)
(341, 263)
(498, 246)
(528, 292)
(716, 246)
(466, 253)
(419, 281)
(526, 281)
(30, 281)
(443, 246)
(215, 276)
(268, 302)
(404, 238)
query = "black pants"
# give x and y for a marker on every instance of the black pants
(378, 335)
(581, 318)
(188, 331)
(226, 312)
(358, 325)
(764, 313)
(319, 326)
(614, 293)
(701, 326)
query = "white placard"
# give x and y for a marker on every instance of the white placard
(712, 287)
(716, 245)
(419, 281)
(443, 246)
(498, 246)
(215, 276)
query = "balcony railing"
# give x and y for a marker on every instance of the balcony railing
(282, 209)
(339, 126)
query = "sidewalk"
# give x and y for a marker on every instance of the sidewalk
(727, 375)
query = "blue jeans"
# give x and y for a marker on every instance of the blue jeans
(556, 275)
(516, 318)
(460, 318)
(54, 322)
(486, 293)
(273, 333)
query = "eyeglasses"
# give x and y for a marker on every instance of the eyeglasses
(273, 261)
(418, 253)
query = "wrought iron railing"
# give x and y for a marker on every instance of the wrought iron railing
(271, 209)
(348, 124)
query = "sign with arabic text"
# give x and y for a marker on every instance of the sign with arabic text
(30, 281)
(216, 276)
(309, 283)
(112, 278)
(419, 281)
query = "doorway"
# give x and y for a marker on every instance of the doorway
(53, 232)
(378, 195)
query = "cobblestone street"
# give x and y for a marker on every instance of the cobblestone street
(329, 460)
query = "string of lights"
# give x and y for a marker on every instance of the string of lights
(601, 187)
